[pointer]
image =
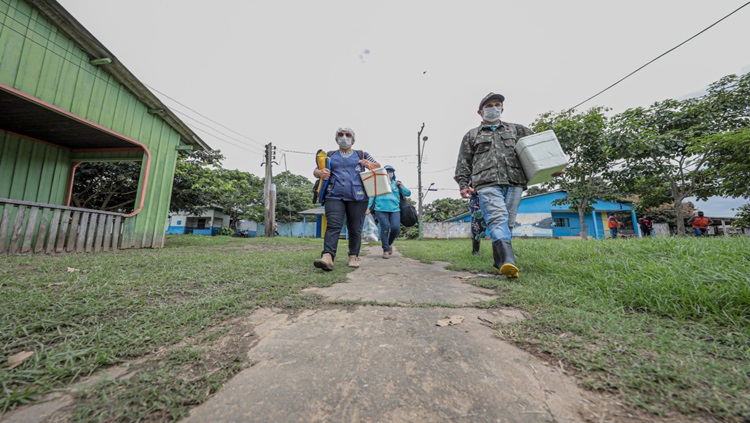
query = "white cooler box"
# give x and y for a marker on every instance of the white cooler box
(541, 156)
(376, 182)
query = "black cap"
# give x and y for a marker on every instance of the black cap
(491, 96)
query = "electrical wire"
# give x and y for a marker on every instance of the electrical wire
(659, 56)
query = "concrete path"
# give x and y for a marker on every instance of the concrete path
(389, 363)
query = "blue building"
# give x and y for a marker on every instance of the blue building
(538, 217)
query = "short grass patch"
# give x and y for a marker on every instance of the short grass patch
(79, 313)
(663, 322)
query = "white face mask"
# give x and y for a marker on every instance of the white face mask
(390, 175)
(344, 142)
(492, 114)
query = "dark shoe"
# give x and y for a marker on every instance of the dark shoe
(475, 247)
(505, 260)
(325, 262)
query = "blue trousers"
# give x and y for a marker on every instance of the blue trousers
(390, 226)
(499, 204)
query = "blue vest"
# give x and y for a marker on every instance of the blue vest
(345, 183)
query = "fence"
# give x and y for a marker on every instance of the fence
(27, 227)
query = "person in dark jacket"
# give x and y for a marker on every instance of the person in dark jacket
(344, 197)
(488, 157)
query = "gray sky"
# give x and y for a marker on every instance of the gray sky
(290, 72)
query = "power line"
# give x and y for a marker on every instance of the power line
(659, 56)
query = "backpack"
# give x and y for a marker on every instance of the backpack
(317, 192)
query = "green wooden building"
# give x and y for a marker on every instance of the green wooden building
(64, 100)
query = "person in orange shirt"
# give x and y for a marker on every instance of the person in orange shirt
(700, 224)
(614, 225)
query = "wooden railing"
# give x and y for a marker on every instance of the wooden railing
(27, 227)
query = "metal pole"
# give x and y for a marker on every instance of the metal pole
(419, 179)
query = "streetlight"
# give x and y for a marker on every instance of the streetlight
(429, 188)
(420, 152)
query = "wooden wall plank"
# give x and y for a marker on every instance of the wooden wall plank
(81, 241)
(108, 233)
(54, 227)
(99, 238)
(15, 239)
(65, 226)
(4, 225)
(73, 232)
(41, 233)
(116, 233)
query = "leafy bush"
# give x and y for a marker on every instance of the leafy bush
(225, 231)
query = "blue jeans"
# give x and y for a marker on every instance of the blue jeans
(613, 232)
(700, 232)
(499, 205)
(390, 226)
(336, 210)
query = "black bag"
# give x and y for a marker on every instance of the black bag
(409, 216)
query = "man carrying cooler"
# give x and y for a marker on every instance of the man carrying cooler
(488, 158)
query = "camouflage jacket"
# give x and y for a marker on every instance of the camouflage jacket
(489, 157)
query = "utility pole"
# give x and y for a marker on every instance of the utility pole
(269, 193)
(420, 152)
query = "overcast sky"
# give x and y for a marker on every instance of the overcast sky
(292, 72)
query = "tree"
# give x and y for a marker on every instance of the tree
(444, 208)
(667, 141)
(192, 168)
(238, 194)
(536, 190)
(108, 186)
(581, 136)
(293, 195)
(743, 214)
(728, 157)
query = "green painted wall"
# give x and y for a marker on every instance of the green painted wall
(36, 58)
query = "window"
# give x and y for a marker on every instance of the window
(562, 222)
(201, 223)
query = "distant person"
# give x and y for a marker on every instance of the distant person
(614, 225)
(647, 225)
(388, 212)
(478, 225)
(700, 224)
(345, 197)
(276, 228)
(488, 157)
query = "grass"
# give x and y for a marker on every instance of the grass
(663, 322)
(80, 313)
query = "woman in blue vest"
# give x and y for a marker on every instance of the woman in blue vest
(345, 197)
(388, 212)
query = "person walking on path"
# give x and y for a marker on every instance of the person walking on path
(700, 224)
(345, 197)
(388, 212)
(488, 157)
(614, 225)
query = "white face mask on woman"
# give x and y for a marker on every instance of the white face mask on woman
(492, 114)
(345, 142)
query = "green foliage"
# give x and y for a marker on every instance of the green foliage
(238, 194)
(293, 195)
(681, 144)
(743, 213)
(581, 136)
(443, 209)
(192, 168)
(108, 186)
(728, 158)
(536, 190)
(225, 231)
